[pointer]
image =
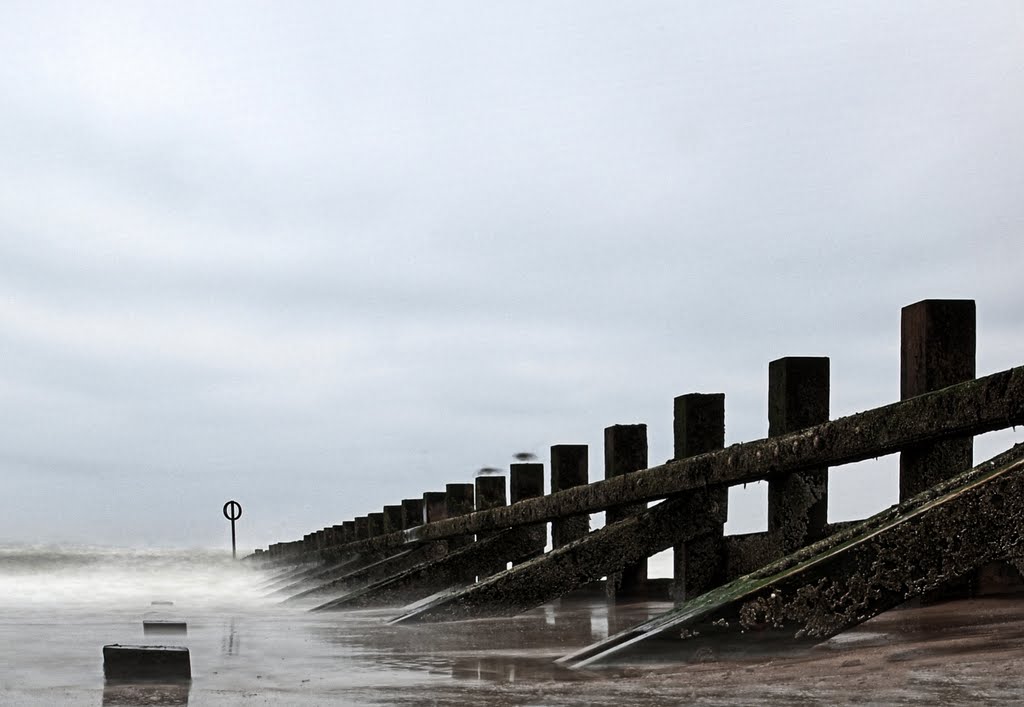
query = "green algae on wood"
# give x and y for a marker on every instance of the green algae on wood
(861, 570)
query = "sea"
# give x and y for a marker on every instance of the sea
(60, 605)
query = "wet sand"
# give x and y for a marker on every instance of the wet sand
(264, 654)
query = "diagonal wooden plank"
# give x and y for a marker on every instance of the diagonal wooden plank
(313, 576)
(571, 566)
(443, 573)
(857, 573)
(368, 573)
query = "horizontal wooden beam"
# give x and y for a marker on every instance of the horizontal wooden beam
(974, 407)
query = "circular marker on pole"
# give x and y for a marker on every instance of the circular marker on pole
(233, 511)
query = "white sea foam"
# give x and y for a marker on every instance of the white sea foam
(38, 575)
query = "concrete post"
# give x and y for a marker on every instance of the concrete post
(798, 392)
(699, 427)
(625, 451)
(376, 524)
(526, 480)
(937, 349)
(392, 519)
(412, 512)
(348, 531)
(569, 467)
(362, 528)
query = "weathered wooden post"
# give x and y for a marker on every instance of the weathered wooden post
(937, 349)
(625, 451)
(362, 527)
(434, 507)
(526, 480)
(458, 502)
(699, 427)
(392, 518)
(490, 493)
(798, 397)
(412, 512)
(328, 537)
(569, 467)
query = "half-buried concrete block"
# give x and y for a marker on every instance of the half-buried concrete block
(158, 627)
(146, 663)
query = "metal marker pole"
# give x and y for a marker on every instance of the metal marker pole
(233, 511)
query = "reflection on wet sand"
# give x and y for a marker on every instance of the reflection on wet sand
(512, 669)
(231, 645)
(502, 650)
(134, 694)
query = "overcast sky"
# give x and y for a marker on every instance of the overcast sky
(323, 257)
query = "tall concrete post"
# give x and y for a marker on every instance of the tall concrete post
(490, 493)
(625, 451)
(569, 468)
(937, 349)
(348, 531)
(798, 397)
(412, 512)
(526, 480)
(699, 427)
(375, 524)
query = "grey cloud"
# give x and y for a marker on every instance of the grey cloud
(332, 255)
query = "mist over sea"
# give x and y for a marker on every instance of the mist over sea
(85, 577)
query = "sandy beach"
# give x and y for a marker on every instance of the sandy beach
(247, 649)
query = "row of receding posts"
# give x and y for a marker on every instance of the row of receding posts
(937, 350)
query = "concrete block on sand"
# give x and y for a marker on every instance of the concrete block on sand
(146, 663)
(164, 627)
